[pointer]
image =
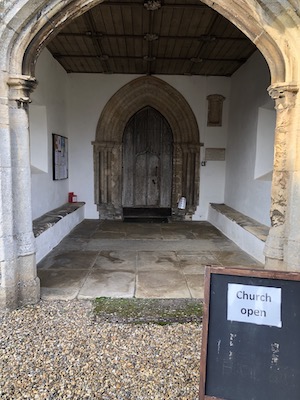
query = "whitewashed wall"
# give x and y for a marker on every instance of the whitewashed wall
(248, 96)
(47, 115)
(87, 96)
(212, 175)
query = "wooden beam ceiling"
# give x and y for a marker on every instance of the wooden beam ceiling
(126, 37)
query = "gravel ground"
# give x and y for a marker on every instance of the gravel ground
(59, 350)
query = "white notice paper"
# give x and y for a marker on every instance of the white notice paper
(259, 305)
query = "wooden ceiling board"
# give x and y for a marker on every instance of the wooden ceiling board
(76, 26)
(118, 20)
(111, 38)
(139, 24)
(185, 67)
(161, 47)
(93, 64)
(106, 22)
(203, 20)
(218, 50)
(97, 12)
(128, 18)
(188, 49)
(165, 22)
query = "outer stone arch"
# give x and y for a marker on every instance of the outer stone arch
(137, 94)
(26, 26)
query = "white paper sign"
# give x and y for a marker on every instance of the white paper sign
(254, 304)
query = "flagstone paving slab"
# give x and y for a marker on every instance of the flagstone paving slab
(108, 284)
(111, 260)
(76, 259)
(116, 259)
(157, 261)
(195, 284)
(61, 284)
(161, 285)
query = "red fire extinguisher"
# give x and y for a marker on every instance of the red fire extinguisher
(72, 197)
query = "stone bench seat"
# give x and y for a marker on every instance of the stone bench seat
(49, 219)
(257, 229)
(50, 228)
(249, 234)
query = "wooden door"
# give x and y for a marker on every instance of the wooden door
(147, 160)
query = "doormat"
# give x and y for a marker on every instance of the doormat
(146, 220)
(150, 212)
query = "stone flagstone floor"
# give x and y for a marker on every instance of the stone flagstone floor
(116, 259)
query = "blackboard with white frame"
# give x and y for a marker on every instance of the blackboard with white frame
(251, 327)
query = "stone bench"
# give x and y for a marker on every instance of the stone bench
(53, 226)
(249, 234)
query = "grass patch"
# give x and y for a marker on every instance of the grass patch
(156, 311)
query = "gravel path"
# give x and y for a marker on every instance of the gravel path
(58, 350)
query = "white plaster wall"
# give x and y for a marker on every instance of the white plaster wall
(38, 138)
(50, 96)
(265, 144)
(195, 89)
(248, 93)
(87, 96)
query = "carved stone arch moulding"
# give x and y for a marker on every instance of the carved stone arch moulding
(137, 94)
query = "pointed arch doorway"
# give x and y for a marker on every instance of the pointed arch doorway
(147, 161)
(162, 164)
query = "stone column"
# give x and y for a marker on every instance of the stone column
(283, 199)
(291, 247)
(8, 268)
(27, 288)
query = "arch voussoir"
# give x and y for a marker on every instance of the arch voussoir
(142, 92)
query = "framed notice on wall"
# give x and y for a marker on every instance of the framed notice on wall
(60, 157)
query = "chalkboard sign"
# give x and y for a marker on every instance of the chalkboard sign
(251, 335)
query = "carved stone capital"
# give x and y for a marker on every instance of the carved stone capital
(20, 88)
(284, 95)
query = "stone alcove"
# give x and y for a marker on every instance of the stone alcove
(137, 94)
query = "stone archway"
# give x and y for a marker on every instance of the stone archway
(25, 29)
(145, 92)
